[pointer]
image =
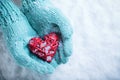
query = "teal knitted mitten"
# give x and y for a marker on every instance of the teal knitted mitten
(46, 18)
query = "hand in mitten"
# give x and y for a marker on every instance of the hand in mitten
(17, 33)
(45, 18)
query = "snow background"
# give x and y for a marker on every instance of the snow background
(96, 43)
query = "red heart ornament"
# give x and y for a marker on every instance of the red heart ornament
(45, 49)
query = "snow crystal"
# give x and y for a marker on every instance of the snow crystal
(47, 48)
(43, 44)
(49, 58)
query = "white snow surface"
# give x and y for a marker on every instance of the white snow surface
(96, 44)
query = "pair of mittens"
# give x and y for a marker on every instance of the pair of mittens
(40, 18)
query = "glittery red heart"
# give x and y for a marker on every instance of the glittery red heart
(45, 49)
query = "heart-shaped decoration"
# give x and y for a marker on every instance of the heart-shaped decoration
(45, 49)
